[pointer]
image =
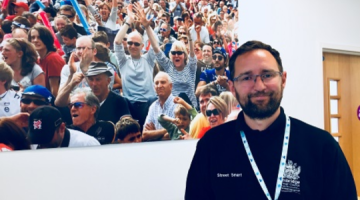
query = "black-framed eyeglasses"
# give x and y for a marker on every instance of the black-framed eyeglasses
(129, 43)
(37, 102)
(82, 48)
(76, 105)
(250, 79)
(214, 112)
(220, 58)
(176, 53)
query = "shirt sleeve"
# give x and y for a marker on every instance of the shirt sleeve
(149, 117)
(193, 113)
(65, 72)
(207, 38)
(113, 15)
(150, 57)
(36, 72)
(120, 55)
(167, 125)
(163, 61)
(56, 63)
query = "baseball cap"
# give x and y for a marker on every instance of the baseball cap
(43, 122)
(97, 68)
(219, 51)
(229, 4)
(22, 4)
(40, 91)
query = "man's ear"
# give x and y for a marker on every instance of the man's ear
(231, 87)
(283, 79)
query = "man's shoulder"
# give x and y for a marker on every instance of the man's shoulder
(309, 131)
(80, 137)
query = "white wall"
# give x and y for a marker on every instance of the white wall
(298, 29)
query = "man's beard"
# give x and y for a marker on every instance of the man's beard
(219, 68)
(260, 112)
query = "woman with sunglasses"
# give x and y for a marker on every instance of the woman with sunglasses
(216, 113)
(181, 67)
(21, 56)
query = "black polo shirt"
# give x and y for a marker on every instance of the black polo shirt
(113, 108)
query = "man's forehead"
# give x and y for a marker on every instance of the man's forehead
(258, 59)
(82, 42)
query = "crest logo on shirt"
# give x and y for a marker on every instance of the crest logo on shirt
(6, 109)
(37, 124)
(291, 181)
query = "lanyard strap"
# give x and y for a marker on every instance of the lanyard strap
(282, 162)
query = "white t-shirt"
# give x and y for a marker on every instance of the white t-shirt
(80, 139)
(204, 34)
(28, 80)
(9, 103)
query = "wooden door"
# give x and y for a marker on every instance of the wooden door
(342, 101)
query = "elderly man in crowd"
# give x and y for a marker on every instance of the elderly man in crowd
(164, 105)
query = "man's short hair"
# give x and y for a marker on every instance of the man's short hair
(6, 74)
(51, 11)
(205, 90)
(164, 73)
(22, 20)
(89, 38)
(101, 36)
(68, 31)
(68, 8)
(90, 99)
(126, 126)
(250, 46)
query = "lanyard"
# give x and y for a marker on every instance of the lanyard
(282, 162)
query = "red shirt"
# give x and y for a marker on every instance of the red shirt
(4, 147)
(52, 65)
(203, 131)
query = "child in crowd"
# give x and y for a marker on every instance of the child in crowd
(184, 113)
(128, 130)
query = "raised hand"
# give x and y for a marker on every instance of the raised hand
(130, 13)
(21, 119)
(86, 58)
(71, 63)
(178, 100)
(77, 78)
(141, 15)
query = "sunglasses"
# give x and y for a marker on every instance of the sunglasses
(77, 105)
(216, 42)
(176, 53)
(124, 39)
(197, 49)
(69, 16)
(133, 43)
(35, 101)
(182, 33)
(214, 112)
(217, 57)
(162, 29)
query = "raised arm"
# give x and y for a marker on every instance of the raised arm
(121, 34)
(179, 100)
(140, 13)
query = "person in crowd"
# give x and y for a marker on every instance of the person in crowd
(70, 13)
(20, 7)
(216, 113)
(20, 33)
(34, 97)
(199, 32)
(21, 56)
(205, 63)
(47, 130)
(60, 22)
(106, 16)
(20, 22)
(219, 76)
(102, 55)
(50, 61)
(212, 18)
(183, 113)
(180, 66)
(164, 105)
(200, 121)
(128, 131)
(260, 135)
(30, 17)
(12, 137)
(69, 36)
(185, 39)
(72, 75)
(85, 12)
(198, 51)
(136, 70)
(85, 108)
(233, 106)
(165, 37)
(102, 37)
(9, 99)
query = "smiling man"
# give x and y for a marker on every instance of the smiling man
(272, 155)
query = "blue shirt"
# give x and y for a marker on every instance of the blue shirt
(209, 75)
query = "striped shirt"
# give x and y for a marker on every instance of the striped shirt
(183, 81)
(156, 110)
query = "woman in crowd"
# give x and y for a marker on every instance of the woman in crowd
(216, 113)
(60, 22)
(86, 15)
(50, 61)
(12, 137)
(21, 56)
(211, 21)
(181, 67)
